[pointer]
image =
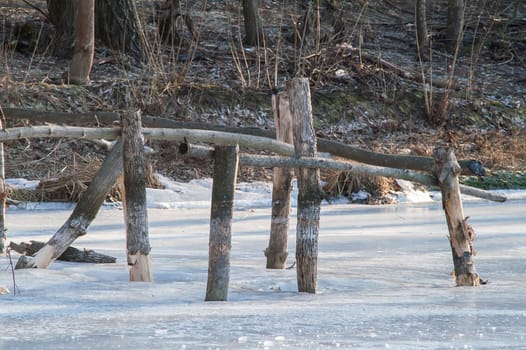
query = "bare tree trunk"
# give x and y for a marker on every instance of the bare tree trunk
(253, 27)
(225, 174)
(422, 40)
(461, 234)
(276, 252)
(117, 24)
(83, 214)
(84, 43)
(3, 197)
(455, 25)
(137, 241)
(309, 196)
(62, 16)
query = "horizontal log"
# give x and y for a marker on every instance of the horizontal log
(266, 161)
(324, 145)
(71, 254)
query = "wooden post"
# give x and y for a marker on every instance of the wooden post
(137, 241)
(309, 196)
(225, 174)
(276, 252)
(83, 214)
(461, 234)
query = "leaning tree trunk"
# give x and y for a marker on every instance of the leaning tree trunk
(85, 211)
(82, 60)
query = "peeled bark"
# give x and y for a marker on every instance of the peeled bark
(276, 252)
(82, 60)
(309, 196)
(461, 234)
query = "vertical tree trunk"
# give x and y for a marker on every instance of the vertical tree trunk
(84, 43)
(276, 252)
(422, 39)
(253, 26)
(226, 160)
(455, 25)
(3, 197)
(85, 211)
(137, 241)
(62, 16)
(461, 234)
(117, 24)
(309, 196)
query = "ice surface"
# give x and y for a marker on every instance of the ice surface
(383, 282)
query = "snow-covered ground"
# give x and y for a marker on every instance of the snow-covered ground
(383, 277)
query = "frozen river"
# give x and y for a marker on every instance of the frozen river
(384, 283)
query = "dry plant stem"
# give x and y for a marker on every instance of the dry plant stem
(134, 170)
(461, 234)
(309, 191)
(85, 211)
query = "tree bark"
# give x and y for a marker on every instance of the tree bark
(137, 241)
(422, 40)
(84, 43)
(225, 174)
(3, 198)
(461, 234)
(71, 254)
(276, 252)
(62, 16)
(83, 214)
(253, 27)
(117, 24)
(455, 25)
(309, 196)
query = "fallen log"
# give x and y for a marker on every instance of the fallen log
(469, 167)
(71, 254)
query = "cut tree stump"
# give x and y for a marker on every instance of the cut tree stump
(461, 234)
(309, 191)
(85, 211)
(276, 252)
(223, 188)
(71, 254)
